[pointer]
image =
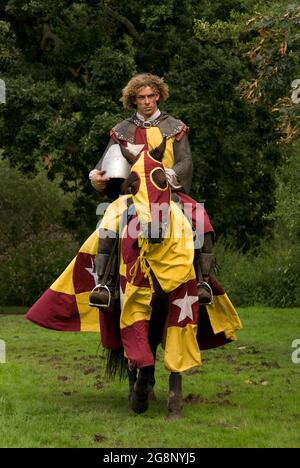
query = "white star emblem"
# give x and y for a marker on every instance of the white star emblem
(185, 304)
(92, 272)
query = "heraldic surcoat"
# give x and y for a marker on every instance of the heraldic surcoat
(187, 328)
(140, 135)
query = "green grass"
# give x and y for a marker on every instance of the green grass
(53, 393)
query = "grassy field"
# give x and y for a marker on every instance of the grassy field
(53, 393)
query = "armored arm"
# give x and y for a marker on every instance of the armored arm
(183, 166)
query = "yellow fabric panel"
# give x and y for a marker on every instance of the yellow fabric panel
(89, 316)
(112, 216)
(141, 198)
(154, 139)
(91, 244)
(181, 348)
(122, 269)
(136, 305)
(172, 260)
(223, 316)
(64, 282)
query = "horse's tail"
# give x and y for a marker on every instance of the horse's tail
(116, 364)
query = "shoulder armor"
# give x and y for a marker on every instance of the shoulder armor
(124, 131)
(169, 126)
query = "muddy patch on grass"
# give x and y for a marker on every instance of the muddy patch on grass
(69, 393)
(90, 370)
(270, 364)
(99, 438)
(51, 360)
(224, 394)
(191, 398)
(62, 378)
(99, 385)
(245, 349)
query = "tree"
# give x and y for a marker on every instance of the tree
(274, 57)
(68, 61)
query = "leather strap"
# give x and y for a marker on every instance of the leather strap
(110, 262)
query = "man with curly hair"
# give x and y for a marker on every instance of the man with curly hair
(145, 131)
(143, 93)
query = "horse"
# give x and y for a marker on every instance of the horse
(158, 300)
(150, 211)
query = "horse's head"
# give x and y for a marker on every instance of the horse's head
(151, 193)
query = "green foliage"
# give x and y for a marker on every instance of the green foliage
(30, 268)
(34, 249)
(62, 95)
(69, 62)
(274, 58)
(286, 215)
(233, 145)
(27, 206)
(269, 277)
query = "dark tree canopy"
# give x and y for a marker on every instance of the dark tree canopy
(65, 63)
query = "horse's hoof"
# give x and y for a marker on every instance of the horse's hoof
(139, 406)
(174, 404)
(140, 398)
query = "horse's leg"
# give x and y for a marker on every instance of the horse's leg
(151, 383)
(175, 395)
(156, 329)
(140, 394)
(132, 377)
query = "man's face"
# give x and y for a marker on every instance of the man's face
(146, 101)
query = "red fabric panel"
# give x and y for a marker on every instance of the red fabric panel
(140, 137)
(196, 206)
(189, 289)
(136, 344)
(130, 251)
(216, 287)
(55, 310)
(181, 134)
(114, 137)
(110, 329)
(205, 335)
(82, 275)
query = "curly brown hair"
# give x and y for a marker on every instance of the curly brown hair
(141, 81)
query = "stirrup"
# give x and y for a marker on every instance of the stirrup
(207, 286)
(102, 306)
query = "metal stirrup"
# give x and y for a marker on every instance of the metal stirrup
(103, 306)
(204, 283)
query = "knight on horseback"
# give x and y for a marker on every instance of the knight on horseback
(153, 266)
(145, 130)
